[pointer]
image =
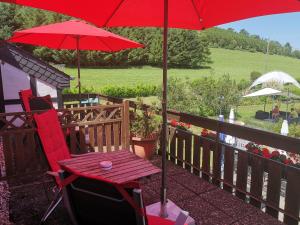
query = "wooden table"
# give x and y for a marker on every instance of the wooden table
(126, 166)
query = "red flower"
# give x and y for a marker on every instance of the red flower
(266, 153)
(188, 125)
(275, 154)
(288, 161)
(256, 151)
(174, 123)
(204, 132)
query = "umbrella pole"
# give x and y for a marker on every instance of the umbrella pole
(287, 104)
(164, 140)
(78, 69)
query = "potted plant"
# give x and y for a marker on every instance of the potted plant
(144, 128)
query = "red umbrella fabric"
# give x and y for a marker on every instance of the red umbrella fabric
(65, 35)
(76, 35)
(187, 14)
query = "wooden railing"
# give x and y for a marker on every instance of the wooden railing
(94, 128)
(267, 184)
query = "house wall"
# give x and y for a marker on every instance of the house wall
(14, 80)
(42, 89)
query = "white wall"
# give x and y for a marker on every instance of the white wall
(13, 81)
(45, 89)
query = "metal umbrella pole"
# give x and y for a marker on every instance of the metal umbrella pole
(164, 140)
(287, 104)
(78, 68)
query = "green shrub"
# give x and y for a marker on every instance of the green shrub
(130, 92)
(203, 97)
(254, 75)
(118, 91)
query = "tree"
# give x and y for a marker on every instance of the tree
(8, 24)
(244, 32)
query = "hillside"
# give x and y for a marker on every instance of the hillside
(238, 64)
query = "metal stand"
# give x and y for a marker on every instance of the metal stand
(57, 199)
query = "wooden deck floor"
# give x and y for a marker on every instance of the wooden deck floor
(206, 203)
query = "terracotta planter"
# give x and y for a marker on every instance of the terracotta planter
(144, 147)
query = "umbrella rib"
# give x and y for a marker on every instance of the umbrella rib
(113, 13)
(59, 46)
(12, 39)
(102, 41)
(197, 13)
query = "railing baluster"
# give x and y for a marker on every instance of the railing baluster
(188, 151)
(180, 148)
(206, 159)
(217, 150)
(274, 187)
(108, 137)
(292, 199)
(173, 137)
(228, 168)
(196, 155)
(242, 174)
(257, 172)
(100, 138)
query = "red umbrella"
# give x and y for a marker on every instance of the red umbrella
(187, 14)
(74, 35)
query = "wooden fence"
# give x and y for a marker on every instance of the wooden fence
(94, 128)
(264, 183)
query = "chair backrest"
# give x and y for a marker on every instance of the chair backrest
(40, 103)
(52, 138)
(25, 96)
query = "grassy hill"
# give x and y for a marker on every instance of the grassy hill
(238, 64)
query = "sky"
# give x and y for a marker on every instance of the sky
(283, 28)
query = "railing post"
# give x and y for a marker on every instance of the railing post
(125, 126)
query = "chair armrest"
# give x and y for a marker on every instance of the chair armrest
(51, 173)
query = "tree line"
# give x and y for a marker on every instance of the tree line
(242, 40)
(186, 48)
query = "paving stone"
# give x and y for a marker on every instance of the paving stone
(175, 191)
(257, 218)
(204, 213)
(171, 167)
(206, 203)
(193, 183)
(228, 203)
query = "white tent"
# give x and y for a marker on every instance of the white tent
(263, 92)
(276, 76)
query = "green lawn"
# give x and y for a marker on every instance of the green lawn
(237, 64)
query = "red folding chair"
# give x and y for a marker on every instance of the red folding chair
(25, 96)
(55, 149)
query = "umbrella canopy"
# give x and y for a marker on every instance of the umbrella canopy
(65, 35)
(263, 92)
(187, 14)
(276, 76)
(74, 35)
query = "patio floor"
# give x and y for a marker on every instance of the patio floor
(206, 203)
